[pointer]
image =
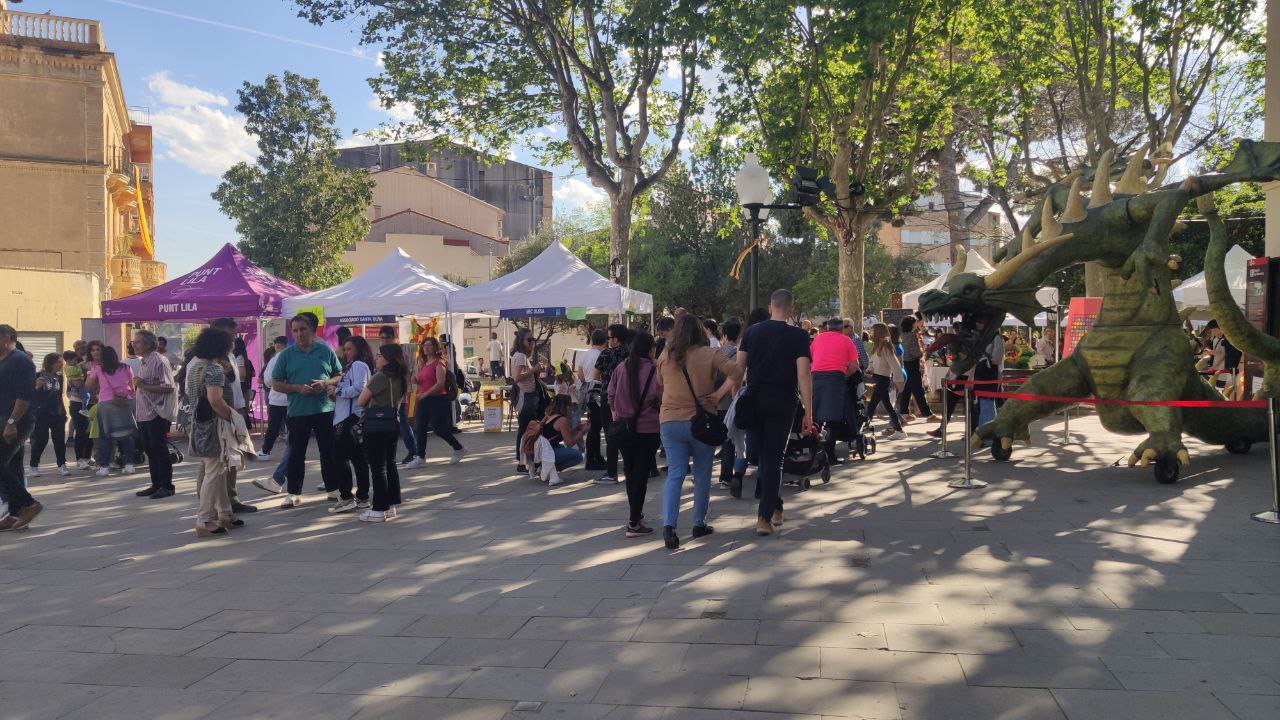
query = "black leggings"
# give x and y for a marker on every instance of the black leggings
(914, 389)
(49, 428)
(435, 414)
(80, 424)
(637, 463)
(881, 394)
(380, 449)
(350, 454)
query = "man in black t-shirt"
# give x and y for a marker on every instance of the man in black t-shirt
(17, 389)
(775, 356)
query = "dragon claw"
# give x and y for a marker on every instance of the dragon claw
(1184, 458)
(1147, 456)
(1006, 442)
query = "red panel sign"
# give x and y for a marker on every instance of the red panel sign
(1082, 313)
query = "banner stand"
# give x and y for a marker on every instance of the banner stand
(1272, 516)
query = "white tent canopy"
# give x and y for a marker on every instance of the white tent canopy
(556, 278)
(399, 286)
(1194, 293)
(978, 265)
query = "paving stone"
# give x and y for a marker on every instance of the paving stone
(271, 675)
(172, 618)
(473, 626)
(45, 701)
(976, 703)
(1004, 616)
(1142, 599)
(387, 679)
(356, 624)
(620, 655)
(153, 641)
(707, 714)
(262, 621)
(824, 634)
(150, 671)
(1255, 603)
(419, 708)
(752, 660)
(278, 706)
(889, 666)
(39, 666)
(262, 646)
(1251, 707)
(154, 702)
(544, 607)
(503, 683)
(950, 638)
(599, 629)
(732, 632)
(494, 653)
(1218, 647)
(351, 648)
(1131, 705)
(673, 689)
(822, 697)
(1015, 670)
(59, 637)
(1086, 643)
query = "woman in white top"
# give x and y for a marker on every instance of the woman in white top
(358, 357)
(886, 371)
(524, 373)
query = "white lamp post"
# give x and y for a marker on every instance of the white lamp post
(754, 193)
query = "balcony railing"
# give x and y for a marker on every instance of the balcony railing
(50, 30)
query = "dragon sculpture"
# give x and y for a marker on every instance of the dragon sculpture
(1137, 349)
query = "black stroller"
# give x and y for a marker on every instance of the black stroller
(844, 422)
(804, 456)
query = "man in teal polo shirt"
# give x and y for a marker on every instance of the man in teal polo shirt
(305, 372)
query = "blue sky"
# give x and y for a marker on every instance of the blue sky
(186, 70)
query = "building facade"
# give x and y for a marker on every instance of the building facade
(926, 232)
(522, 192)
(75, 163)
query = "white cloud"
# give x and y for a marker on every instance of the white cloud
(171, 92)
(398, 112)
(193, 130)
(576, 194)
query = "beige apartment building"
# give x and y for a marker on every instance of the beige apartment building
(925, 234)
(75, 175)
(450, 232)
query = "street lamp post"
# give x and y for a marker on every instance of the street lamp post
(754, 194)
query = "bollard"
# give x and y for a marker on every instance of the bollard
(968, 483)
(1272, 516)
(943, 453)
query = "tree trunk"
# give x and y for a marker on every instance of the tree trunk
(620, 232)
(852, 262)
(1094, 279)
(949, 188)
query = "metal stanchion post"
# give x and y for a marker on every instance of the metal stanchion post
(1273, 515)
(968, 483)
(943, 453)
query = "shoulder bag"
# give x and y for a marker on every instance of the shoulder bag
(623, 430)
(382, 419)
(204, 426)
(705, 427)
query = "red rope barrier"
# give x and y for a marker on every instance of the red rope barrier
(961, 383)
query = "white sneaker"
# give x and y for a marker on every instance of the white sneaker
(391, 512)
(129, 470)
(33, 472)
(82, 464)
(291, 501)
(373, 516)
(553, 479)
(263, 456)
(63, 471)
(457, 456)
(342, 506)
(414, 464)
(103, 472)
(899, 435)
(362, 504)
(269, 484)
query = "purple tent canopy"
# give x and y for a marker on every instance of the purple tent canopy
(226, 286)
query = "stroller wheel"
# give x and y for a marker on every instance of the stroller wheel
(804, 483)
(871, 444)
(826, 473)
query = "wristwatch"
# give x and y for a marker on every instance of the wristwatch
(10, 421)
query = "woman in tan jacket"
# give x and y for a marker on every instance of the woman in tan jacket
(689, 368)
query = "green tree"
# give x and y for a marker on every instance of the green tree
(489, 72)
(295, 210)
(860, 89)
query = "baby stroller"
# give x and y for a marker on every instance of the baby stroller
(855, 431)
(804, 456)
(471, 410)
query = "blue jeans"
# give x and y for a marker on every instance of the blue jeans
(406, 430)
(567, 457)
(281, 475)
(681, 446)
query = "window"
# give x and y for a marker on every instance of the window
(40, 344)
(925, 237)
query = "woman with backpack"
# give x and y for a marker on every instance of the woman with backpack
(688, 369)
(435, 406)
(635, 394)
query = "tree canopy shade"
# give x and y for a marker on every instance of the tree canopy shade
(858, 88)
(295, 210)
(489, 72)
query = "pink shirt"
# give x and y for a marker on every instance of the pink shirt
(833, 351)
(109, 386)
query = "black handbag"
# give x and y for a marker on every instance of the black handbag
(623, 430)
(380, 420)
(705, 427)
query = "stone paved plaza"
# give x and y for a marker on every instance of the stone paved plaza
(1067, 589)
